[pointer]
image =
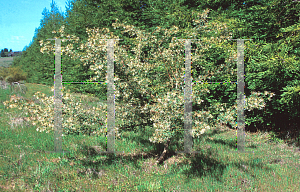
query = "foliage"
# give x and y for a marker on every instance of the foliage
(12, 74)
(85, 169)
(163, 108)
(2, 53)
(40, 68)
(271, 58)
(73, 112)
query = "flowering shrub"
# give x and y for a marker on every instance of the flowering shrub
(73, 113)
(154, 78)
(76, 116)
(141, 74)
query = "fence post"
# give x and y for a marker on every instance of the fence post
(57, 100)
(110, 99)
(188, 138)
(240, 140)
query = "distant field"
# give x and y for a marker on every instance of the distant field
(6, 61)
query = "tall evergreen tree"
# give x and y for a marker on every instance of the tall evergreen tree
(69, 7)
(40, 67)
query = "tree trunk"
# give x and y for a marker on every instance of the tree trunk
(163, 155)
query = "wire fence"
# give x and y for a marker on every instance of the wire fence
(4, 84)
(15, 87)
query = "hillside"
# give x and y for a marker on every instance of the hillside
(6, 61)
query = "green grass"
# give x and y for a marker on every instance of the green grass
(25, 164)
(6, 61)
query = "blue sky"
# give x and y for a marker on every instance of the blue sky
(20, 18)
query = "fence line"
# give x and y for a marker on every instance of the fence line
(187, 97)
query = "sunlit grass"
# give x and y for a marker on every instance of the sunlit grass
(25, 164)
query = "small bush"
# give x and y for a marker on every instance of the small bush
(12, 74)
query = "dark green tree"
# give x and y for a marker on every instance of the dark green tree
(69, 7)
(40, 67)
(2, 53)
(270, 59)
(5, 52)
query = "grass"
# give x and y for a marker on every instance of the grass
(6, 61)
(26, 166)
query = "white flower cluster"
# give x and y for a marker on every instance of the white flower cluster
(166, 109)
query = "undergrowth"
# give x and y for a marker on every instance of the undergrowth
(269, 164)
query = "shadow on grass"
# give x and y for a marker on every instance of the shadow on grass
(201, 165)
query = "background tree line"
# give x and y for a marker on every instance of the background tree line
(271, 58)
(4, 52)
